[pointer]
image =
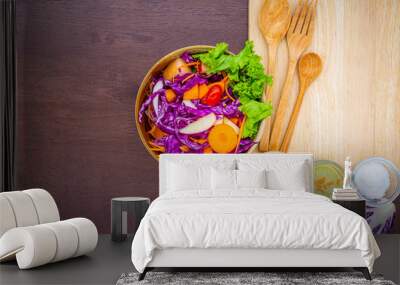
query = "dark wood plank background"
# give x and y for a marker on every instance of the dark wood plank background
(80, 63)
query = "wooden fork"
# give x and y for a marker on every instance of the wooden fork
(298, 38)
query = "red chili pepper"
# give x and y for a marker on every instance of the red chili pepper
(213, 96)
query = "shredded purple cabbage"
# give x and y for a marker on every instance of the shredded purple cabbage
(170, 117)
(179, 88)
(147, 103)
(245, 145)
(184, 139)
(187, 57)
(172, 144)
(215, 78)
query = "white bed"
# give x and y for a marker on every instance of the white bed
(248, 227)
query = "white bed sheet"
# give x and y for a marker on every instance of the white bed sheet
(252, 218)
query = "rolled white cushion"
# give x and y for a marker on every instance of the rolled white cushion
(37, 245)
(23, 208)
(7, 218)
(33, 246)
(67, 240)
(87, 235)
(45, 205)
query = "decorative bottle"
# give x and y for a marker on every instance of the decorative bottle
(347, 183)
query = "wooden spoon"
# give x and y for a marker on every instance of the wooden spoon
(298, 38)
(273, 21)
(310, 66)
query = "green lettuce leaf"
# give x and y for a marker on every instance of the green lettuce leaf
(255, 112)
(247, 79)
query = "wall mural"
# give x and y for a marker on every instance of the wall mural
(204, 99)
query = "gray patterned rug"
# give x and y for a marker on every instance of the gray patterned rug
(243, 278)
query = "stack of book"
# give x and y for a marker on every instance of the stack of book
(345, 194)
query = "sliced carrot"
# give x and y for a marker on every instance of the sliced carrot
(184, 148)
(160, 149)
(235, 121)
(198, 67)
(192, 93)
(222, 138)
(230, 97)
(228, 94)
(203, 90)
(200, 141)
(208, 150)
(149, 113)
(240, 133)
(187, 78)
(192, 63)
(153, 145)
(170, 95)
(156, 133)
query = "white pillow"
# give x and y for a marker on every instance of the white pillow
(223, 179)
(290, 178)
(251, 178)
(182, 177)
(188, 173)
(282, 174)
(226, 179)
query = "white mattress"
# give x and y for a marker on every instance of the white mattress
(256, 257)
(250, 219)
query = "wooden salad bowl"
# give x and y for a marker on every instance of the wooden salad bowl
(144, 88)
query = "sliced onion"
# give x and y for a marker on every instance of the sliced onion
(189, 103)
(156, 102)
(200, 125)
(158, 86)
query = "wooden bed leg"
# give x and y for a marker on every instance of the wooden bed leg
(143, 274)
(364, 271)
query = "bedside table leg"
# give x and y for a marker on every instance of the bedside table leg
(364, 271)
(143, 274)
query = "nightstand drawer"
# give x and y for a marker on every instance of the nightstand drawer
(357, 206)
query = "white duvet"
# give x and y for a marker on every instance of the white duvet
(250, 219)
